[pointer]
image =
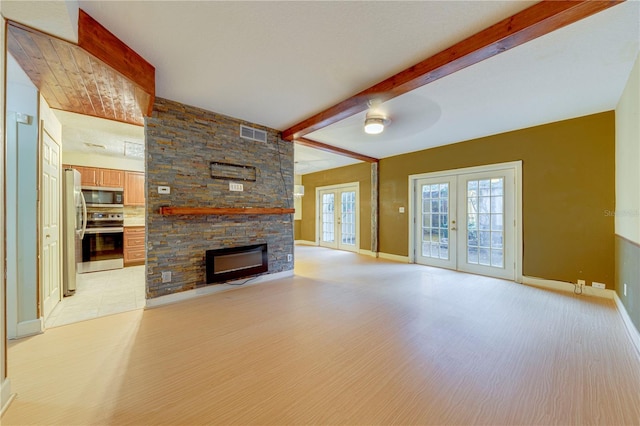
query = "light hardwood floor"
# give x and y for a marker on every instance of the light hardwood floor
(348, 340)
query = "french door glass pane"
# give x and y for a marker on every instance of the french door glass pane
(435, 221)
(348, 218)
(485, 222)
(328, 218)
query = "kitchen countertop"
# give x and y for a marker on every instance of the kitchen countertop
(134, 221)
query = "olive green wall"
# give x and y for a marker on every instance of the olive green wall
(568, 186)
(297, 229)
(356, 173)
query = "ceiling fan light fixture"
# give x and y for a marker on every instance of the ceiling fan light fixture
(374, 125)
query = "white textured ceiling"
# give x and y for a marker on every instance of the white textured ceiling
(276, 63)
(59, 18)
(575, 71)
(82, 133)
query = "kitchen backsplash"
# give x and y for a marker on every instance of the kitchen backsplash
(133, 215)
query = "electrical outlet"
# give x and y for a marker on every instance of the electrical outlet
(289, 257)
(581, 283)
(236, 187)
(624, 289)
(596, 284)
(166, 276)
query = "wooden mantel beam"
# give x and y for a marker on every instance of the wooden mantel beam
(540, 19)
(335, 150)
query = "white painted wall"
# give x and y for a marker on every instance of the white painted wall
(5, 383)
(627, 219)
(21, 204)
(104, 161)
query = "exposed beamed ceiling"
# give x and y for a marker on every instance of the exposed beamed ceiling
(529, 24)
(277, 63)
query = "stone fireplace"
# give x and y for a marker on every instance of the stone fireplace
(203, 212)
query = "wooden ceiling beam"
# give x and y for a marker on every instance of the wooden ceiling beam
(101, 43)
(540, 19)
(335, 150)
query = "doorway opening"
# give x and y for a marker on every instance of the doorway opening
(468, 220)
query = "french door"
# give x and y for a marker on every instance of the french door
(436, 230)
(467, 222)
(338, 217)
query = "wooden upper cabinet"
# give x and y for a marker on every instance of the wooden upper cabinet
(134, 189)
(111, 178)
(89, 176)
(94, 176)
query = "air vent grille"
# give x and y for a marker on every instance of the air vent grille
(258, 135)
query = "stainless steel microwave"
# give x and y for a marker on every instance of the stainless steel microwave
(103, 197)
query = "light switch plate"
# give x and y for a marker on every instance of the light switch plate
(164, 190)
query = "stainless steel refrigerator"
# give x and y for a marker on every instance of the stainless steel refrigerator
(75, 225)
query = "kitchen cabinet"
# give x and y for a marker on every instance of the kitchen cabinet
(111, 178)
(89, 176)
(134, 189)
(134, 249)
(94, 176)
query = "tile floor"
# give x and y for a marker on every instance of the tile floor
(99, 294)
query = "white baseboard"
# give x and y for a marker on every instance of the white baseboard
(305, 243)
(368, 253)
(29, 328)
(569, 287)
(6, 397)
(394, 257)
(634, 334)
(212, 289)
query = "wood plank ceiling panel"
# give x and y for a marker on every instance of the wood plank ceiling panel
(71, 78)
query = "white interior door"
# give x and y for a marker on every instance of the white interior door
(467, 222)
(50, 224)
(338, 217)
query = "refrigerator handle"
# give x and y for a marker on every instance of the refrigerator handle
(84, 215)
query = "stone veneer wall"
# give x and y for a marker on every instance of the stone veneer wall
(181, 142)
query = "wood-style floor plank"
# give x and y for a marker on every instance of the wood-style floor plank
(348, 340)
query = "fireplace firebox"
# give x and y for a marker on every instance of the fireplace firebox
(236, 262)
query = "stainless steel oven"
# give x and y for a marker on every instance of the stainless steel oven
(103, 242)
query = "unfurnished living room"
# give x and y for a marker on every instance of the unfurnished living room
(319, 212)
